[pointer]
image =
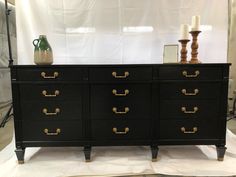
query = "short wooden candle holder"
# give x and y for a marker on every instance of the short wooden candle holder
(183, 51)
(194, 47)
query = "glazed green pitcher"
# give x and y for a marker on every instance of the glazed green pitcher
(42, 51)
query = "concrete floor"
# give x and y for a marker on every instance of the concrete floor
(6, 134)
(232, 125)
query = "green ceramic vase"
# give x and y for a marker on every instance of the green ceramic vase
(42, 51)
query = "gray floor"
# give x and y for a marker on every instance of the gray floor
(232, 125)
(6, 134)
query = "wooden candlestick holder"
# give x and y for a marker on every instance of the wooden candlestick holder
(194, 47)
(183, 51)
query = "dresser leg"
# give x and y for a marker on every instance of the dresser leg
(20, 153)
(154, 150)
(220, 152)
(87, 153)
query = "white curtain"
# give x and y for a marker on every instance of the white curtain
(5, 84)
(232, 46)
(118, 31)
(4, 52)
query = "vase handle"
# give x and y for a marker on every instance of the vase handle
(35, 44)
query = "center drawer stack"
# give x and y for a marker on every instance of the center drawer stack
(189, 102)
(51, 104)
(120, 103)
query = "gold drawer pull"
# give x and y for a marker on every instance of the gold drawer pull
(56, 93)
(114, 109)
(185, 73)
(114, 130)
(126, 74)
(126, 92)
(44, 75)
(45, 111)
(184, 91)
(189, 132)
(195, 109)
(58, 131)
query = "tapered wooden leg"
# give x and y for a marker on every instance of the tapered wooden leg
(87, 153)
(220, 152)
(20, 153)
(154, 150)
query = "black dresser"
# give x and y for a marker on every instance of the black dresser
(120, 105)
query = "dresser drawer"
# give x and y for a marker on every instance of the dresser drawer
(120, 101)
(189, 109)
(50, 110)
(190, 90)
(122, 73)
(52, 92)
(120, 130)
(52, 131)
(188, 129)
(190, 72)
(50, 74)
(120, 111)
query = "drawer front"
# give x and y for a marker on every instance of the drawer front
(189, 129)
(120, 130)
(190, 73)
(50, 110)
(189, 109)
(52, 92)
(50, 74)
(121, 74)
(190, 90)
(120, 101)
(52, 131)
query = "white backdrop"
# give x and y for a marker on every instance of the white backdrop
(118, 31)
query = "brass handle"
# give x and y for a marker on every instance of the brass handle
(56, 93)
(189, 132)
(126, 92)
(45, 111)
(184, 91)
(114, 109)
(58, 131)
(185, 73)
(44, 75)
(195, 109)
(114, 130)
(126, 74)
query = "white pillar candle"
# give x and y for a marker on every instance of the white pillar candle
(195, 23)
(184, 31)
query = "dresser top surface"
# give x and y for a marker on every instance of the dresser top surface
(121, 65)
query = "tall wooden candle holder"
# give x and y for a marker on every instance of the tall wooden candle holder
(194, 47)
(183, 51)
